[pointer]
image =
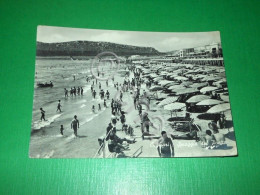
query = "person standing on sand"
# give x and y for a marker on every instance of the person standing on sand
(105, 103)
(71, 91)
(58, 107)
(42, 114)
(165, 146)
(94, 94)
(107, 94)
(81, 90)
(99, 107)
(75, 125)
(61, 129)
(66, 93)
(121, 96)
(93, 109)
(75, 91)
(78, 90)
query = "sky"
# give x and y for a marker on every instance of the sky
(161, 41)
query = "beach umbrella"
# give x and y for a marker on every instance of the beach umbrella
(171, 84)
(180, 78)
(168, 100)
(186, 91)
(164, 82)
(187, 83)
(206, 89)
(219, 108)
(155, 88)
(197, 98)
(153, 75)
(211, 78)
(158, 78)
(174, 106)
(209, 102)
(221, 81)
(197, 85)
(224, 97)
(177, 87)
(163, 73)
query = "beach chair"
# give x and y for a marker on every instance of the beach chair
(182, 125)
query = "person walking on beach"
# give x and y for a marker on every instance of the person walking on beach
(75, 125)
(107, 83)
(93, 109)
(58, 107)
(99, 85)
(99, 107)
(42, 114)
(61, 129)
(165, 146)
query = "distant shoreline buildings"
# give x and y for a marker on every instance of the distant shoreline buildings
(213, 50)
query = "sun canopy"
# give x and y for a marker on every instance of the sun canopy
(197, 98)
(168, 101)
(174, 106)
(180, 78)
(186, 91)
(158, 78)
(197, 85)
(155, 88)
(224, 97)
(164, 82)
(219, 108)
(209, 102)
(206, 89)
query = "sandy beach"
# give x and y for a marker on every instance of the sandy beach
(47, 142)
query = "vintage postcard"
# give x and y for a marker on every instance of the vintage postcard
(130, 94)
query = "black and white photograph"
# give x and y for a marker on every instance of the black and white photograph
(130, 94)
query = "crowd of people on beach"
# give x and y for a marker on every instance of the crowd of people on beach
(134, 86)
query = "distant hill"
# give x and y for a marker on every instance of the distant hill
(91, 48)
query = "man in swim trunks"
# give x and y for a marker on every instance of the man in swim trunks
(165, 146)
(75, 125)
(42, 114)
